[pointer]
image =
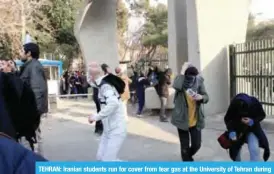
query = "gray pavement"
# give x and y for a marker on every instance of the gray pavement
(68, 137)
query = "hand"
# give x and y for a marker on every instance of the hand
(232, 136)
(198, 97)
(90, 119)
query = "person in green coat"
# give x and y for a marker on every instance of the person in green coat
(188, 116)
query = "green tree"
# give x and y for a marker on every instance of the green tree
(155, 34)
(61, 15)
(261, 31)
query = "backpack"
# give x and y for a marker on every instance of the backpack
(21, 105)
(114, 81)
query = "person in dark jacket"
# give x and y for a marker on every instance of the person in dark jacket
(140, 89)
(32, 73)
(84, 83)
(98, 124)
(72, 84)
(188, 116)
(163, 92)
(133, 85)
(242, 120)
(78, 83)
(64, 84)
(14, 158)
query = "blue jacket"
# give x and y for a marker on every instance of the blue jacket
(141, 86)
(15, 159)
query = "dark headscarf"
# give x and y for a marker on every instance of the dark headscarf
(190, 80)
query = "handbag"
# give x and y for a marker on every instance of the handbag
(224, 140)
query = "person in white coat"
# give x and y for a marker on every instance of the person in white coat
(111, 114)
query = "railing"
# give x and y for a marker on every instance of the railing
(252, 71)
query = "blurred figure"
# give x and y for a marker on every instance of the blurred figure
(141, 86)
(163, 92)
(133, 85)
(78, 82)
(98, 125)
(84, 84)
(153, 76)
(63, 85)
(8, 66)
(126, 95)
(111, 114)
(72, 84)
(105, 68)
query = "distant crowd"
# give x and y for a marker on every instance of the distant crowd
(74, 83)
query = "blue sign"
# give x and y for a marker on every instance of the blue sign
(153, 167)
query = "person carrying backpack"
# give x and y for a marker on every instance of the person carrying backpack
(33, 75)
(111, 113)
(242, 120)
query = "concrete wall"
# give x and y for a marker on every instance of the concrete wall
(95, 30)
(201, 34)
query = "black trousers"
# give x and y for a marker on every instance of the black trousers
(98, 124)
(194, 137)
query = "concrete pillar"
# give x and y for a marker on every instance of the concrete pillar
(95, 30)
(202, 31)
(177, 34)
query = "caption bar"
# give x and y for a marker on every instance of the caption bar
(153, 167)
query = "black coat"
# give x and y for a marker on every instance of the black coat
(32, 73)
(233, 123)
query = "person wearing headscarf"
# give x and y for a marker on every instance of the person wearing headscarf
(242, 120)
(188, 115)
(111, 114)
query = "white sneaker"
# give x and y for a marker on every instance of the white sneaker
(140, 116)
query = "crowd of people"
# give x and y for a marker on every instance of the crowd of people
(74, 83)
(242, 119)
(24, 104)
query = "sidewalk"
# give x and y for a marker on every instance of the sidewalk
(68, 136)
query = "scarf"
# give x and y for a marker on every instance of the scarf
(191, 82)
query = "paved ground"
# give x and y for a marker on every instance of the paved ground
(68, 137)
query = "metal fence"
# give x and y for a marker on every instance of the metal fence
(252, 71)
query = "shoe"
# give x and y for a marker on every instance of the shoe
(163, 119)
(140, 116)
